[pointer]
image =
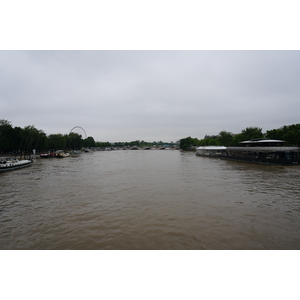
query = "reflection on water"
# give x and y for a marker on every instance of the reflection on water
(149, 200)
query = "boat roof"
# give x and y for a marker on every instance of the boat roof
(262, 141)
(265, 149)
(212, 147)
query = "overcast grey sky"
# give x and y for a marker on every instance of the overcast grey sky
(150, 95)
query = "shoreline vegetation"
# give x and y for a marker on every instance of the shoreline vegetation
(21, 142)
(290, 134)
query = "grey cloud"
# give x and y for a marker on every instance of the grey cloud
(162, 95)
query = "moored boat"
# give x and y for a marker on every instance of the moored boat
(264, 151)
(212, 151)
(7, 165)
(75, 153)
(48, 155)
(61, 154)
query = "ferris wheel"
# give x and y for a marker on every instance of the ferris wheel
(80, 130)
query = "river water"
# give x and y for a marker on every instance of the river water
(155, 199)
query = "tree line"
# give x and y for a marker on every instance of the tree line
(17, 140)
(24, 140)
(290, 134)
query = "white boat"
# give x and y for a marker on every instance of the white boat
(7, 165)
(213, 151)
(61, 154)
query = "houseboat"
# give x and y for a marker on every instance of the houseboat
(264, 151)
(212, 151)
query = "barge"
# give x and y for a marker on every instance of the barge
(264, 151)
(261, 151)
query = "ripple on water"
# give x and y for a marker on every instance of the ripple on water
(149, 200)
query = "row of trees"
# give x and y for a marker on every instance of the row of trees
(17, 139)
(290, 134)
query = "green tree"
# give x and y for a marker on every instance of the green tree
(291, 134)
(208, 142)
(103, 144)
(117, 144)
(225, 138)
(57, 141)
(188, 143)
(17, 137)
(248, 134)
(275, 134)
(89, 142)
(252, 133)
(32, 138)
(6, 136)
(74, 141)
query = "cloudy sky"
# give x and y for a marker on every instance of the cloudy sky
(150, 95)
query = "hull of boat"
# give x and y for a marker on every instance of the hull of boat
(15, 165)
(263, 161)
(47, 155)
(62, 155)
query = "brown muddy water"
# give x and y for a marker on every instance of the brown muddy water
(149, 200)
